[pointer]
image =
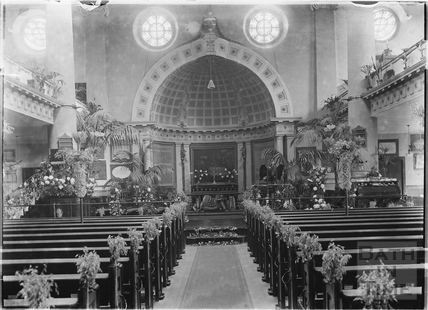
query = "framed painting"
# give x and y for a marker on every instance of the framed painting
(418, 161)
(209, 163)
(390, 146)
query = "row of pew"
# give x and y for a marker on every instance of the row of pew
(384, 234)
(57, 242)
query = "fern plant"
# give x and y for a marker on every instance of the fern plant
(36, 288)
(88, 266)
(117, 247)
(333, 263)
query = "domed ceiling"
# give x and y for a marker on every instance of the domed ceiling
(239, 98)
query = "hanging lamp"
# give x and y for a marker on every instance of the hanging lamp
(211, 83)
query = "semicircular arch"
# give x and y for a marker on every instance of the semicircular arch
(143, 100)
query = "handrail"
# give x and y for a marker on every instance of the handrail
(404, 53)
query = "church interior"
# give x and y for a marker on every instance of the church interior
(239, 152)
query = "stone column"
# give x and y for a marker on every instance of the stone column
(280, 143)
(325, 54)
(96, 59)
(242, 165)
(60, 58)
(187, 179)
(361, 50)
(249, 165)
(290, 148)
(179, 166)
(148, 154)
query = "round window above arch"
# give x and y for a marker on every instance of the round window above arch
(155, 29)
(29, 31)
(386, 24)
(265, 26)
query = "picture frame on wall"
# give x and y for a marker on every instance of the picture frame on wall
(418, 161)
(390, 145)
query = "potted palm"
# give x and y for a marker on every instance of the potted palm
(88, 266)
(333, 269)
(117, 247)
(36, 288)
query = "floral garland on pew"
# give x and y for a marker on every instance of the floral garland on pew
(305, 243)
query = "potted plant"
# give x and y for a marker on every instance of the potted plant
(333, 269)
(307, 245)
(117, 247)
(88, 266)
(36, 288)
(376, 288)
(136, 237)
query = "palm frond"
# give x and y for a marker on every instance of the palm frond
(307, 136)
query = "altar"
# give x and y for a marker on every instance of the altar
(212, 196)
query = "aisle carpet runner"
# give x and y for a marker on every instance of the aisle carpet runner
(216, 280)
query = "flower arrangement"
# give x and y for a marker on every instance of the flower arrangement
(333, 262)
(59, 212)
(114, 203)
(117, 247)
(344, 152)
(36, 288)
(229, 174)
(374, 173)
(320, 204)
(198, 174)
(307, 244)
(144, 197)
(88, 265)
(70, 178)
(376, 288)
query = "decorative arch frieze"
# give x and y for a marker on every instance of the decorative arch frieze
(143, 100)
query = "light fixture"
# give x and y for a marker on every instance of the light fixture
(211, 83)
(409, 144)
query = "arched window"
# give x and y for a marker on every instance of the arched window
(265, 26)
(155, 29)
(385, 24)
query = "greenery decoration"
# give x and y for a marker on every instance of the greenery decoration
(117, 247)
(135, 238)
(88, 265)
(344, 152)
(167, 217)
(333, 262)
(307, 245)
(376, 288)
(151, 230)
(36, 288)
(288, 233)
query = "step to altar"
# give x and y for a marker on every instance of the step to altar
(215, 227)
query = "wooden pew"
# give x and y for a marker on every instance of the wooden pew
(258, 235)
(67, 230)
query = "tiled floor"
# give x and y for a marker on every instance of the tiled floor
(257, 288)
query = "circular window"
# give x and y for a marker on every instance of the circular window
(265, 26)
(155, 29)
(35, 33)
(29, 31)
(385, 24)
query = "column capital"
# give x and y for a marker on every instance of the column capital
(323, 5)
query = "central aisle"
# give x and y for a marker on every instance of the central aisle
(217, 277)
(216, 280)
